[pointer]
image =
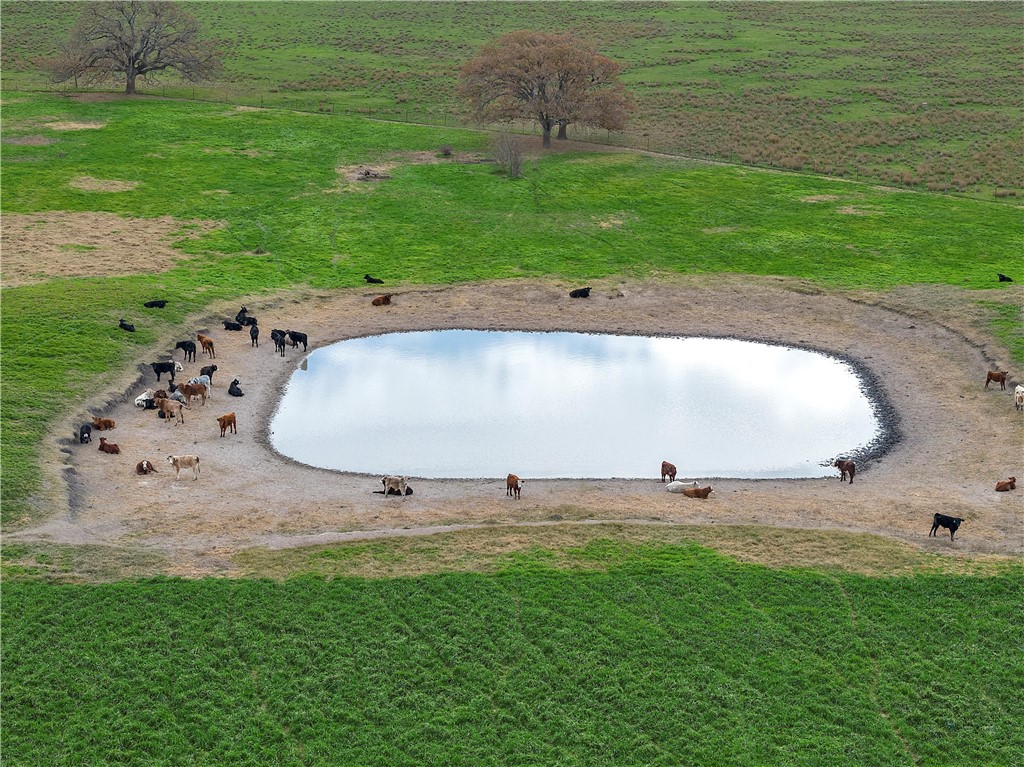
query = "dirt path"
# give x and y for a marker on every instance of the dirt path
(957, 438)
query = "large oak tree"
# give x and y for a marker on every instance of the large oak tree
(134, 39)
(554, 79)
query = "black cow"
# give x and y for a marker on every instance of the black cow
(155, 304)
(1004, 278)
(229, 325)
(372, 280)
(240, 317)
(254, 335)
(163, 367)
(248, 322)
(234, 391)
(189, 347)
(85, 434)
(279, 340)
(297, 338)
(209, 370)
(950, 523)
(126, 326)
(580, 293)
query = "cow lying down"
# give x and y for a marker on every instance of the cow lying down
(677, 487)
(394, 491)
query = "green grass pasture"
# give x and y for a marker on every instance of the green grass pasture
(270, 176)
(662, 655)
(919, 94)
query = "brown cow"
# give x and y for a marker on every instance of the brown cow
(103, 424)
(145, 467)
(845, 467)
(384, 300)
(997, 376)
(1001, 487)
(228, 422)
(171, 409)
(207, 343)
(668, 470)
(513, 486)
(188, 391)
(109, 447)
(697, 492)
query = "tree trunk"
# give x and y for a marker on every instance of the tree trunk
(129, 87)
(547, 125)
(561, 131)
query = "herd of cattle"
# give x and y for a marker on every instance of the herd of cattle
(170, 403)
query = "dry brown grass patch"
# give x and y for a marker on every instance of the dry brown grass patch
(90, 184)
(29, 140)
(64, 125)
(820, 198)
(853, 210)
(40, 246)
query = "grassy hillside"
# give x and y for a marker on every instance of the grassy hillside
(648, 655)
(289, 218)
(922, 94)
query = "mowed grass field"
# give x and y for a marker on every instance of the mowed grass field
(919, 94)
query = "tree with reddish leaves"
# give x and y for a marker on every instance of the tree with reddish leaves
(554, 79)
(134, 40)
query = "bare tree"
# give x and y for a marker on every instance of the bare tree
(554, 79)
(508, 152)
(134, 39)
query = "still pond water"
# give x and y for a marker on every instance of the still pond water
(467, 403)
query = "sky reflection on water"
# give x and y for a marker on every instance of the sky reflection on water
(467, 403)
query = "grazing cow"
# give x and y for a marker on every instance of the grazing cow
(254, 335)
(845, 467)
(279, 344)
(697, 492)
(155, 304)
(180, 462)
(997, 376)
(668, 470)
(145, 466)
(109, 447)
(372, 280)
(297, 338)
(126, 326)
(679, 487)
(228, 422)
(393, 483)
(208, 370)
(1003, 277)
(189, 347)
(234, 391)
(1018, 398)
(513, 486)
(192, 390)
(171, 410)
(580, 293)
(384, 300)
(950, 523)
(207, 343)
(84, 434)
(103, 424)
(165, 367)
(1006, 485)
(229, 325)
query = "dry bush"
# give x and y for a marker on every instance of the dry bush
(508, 152)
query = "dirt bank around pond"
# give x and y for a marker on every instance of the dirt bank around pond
(926, 353)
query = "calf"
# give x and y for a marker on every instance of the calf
(109, 447)
(1003, 277)
(580, 293)
(126, 326)
(514, 486)
(950, 523)
(155, 304)
(207, 343)
(679, 487)
(393, 483)
(254, 335)
(1006, 485)
(997, 376)
(372, 280)
(205, 381)
(191, 391)
(84, 434)
(142, 399)
(227, 422)
(697, 492)
(242, 314)
(145, 466)
(668, 470)
(278, 337)
(384, 300)
(845, 467)
(208, 370)
(171, 410)
(165, 367)
(103, 424)
(229, 325)
(180, 462)
(234, 391)
(297, 338)
(189, 347)
(1018, 398)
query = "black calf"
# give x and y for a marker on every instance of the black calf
(279, 340)
(254, 335)
(126, 326)
(162, 367)
(229, 325)
(234, 391)
(372, 280)
(189, 347)
(580, 293)
(85, 434)
(1004, 278)
(297, 338)
(155, 304)
(950, 523)
(209, 370)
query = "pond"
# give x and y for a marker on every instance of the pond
(481, 404)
